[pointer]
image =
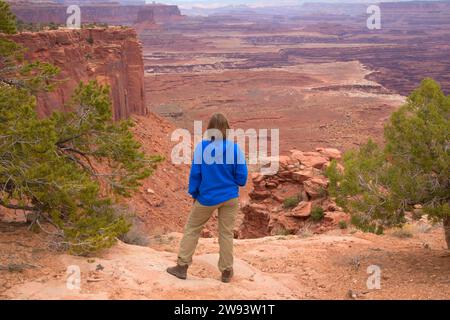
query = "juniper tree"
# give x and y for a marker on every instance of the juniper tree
(67, 170)
(379, 185)
(7, 19)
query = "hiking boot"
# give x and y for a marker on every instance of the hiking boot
(227, 275)
(178, 271)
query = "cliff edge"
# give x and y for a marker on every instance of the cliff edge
(112, 56)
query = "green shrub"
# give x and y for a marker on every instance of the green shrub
(49, 166)
(280, 231)
(7, 19)
(379, 185)
(53, 26)
(291, 202)
(343, 225)
(317, 214)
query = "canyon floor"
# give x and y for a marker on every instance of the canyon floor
(328, 266)
(320, 78)
(329, 103)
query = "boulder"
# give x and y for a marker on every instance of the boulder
(283, 225)
(272, 184)
(310, 159)
(292, 167)
(336, 216)
(286, 161)
(277, 198)
(303, 210)
(303, 175)
(259, 195)
(296, 155)
(315, 187)
(253, 207)
(331, 153)
(256, 222)
(304, 196)
(333, 207)
(312, 154)
(285, 174)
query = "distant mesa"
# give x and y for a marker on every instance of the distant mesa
(146, 14)
(122, 12)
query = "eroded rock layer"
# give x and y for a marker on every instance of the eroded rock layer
(294, 200)
(111, 13)
(112, 56)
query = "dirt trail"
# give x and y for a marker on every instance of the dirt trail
(316, 267)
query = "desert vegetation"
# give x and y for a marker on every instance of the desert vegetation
(379, 185)
(70, 169)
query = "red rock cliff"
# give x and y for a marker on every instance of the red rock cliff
(112, 56)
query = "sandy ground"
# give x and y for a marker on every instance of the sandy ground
(309, 267)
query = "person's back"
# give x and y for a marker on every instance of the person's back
(218, 170)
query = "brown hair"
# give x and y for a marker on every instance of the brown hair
(219, 122)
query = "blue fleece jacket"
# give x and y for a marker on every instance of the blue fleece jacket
(218, 170)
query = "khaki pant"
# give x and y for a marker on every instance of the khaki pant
(197, 219)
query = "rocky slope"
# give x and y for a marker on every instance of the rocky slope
(331, 266)
(110, 13)
(112, 56)
(162, 204)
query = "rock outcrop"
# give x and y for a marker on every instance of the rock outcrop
(112, 56)
(283, 203)
(110, 13)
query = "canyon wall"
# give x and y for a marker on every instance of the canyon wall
(112, 56)
(110, 13)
